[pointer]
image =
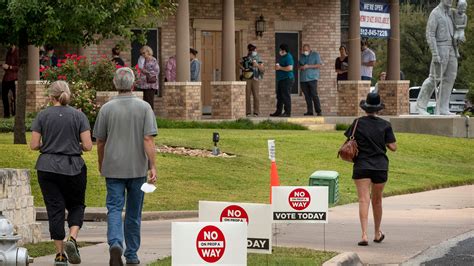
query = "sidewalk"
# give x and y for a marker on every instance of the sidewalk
(412, 223)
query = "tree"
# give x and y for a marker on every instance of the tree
(79, 22)
(414, 50)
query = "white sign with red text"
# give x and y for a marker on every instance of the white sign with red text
(258, 217)
(202, 243)
(300, 204)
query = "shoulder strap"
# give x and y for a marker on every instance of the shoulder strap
(354, 129)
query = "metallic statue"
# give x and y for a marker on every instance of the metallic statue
(440, 34)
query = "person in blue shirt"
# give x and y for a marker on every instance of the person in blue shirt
(195, 65)
(285, 79)
(309, 64)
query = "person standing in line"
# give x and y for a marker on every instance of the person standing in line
(125, 129)
(252, 72)
(370, 170)
(342, 64)
(367, 61)
(148, 81)
(61, 133)
(116, 56)
(195, 65)
(285, 79)
(49, 59)
(170, 69)
(310, 63)
(12, 61)
(382, 76)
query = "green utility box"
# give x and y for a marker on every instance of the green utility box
(329, 179)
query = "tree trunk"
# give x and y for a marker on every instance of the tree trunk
(19, 128)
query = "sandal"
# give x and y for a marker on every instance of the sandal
(382, 237)
(363, 243)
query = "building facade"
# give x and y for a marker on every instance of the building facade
(316, 22)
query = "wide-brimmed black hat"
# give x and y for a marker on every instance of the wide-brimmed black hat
(372, 103)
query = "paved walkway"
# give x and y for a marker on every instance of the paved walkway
(412, 223)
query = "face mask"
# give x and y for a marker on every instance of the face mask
(282, 53)
(306, 53)
(254, 53)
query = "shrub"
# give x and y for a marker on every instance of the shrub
(83, 99)
(85, 77)
(237, 124)
(470, 94)
(342, 127)
(6, 124)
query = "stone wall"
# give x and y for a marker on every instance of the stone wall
(104, 96)
(182, 100)
(228, 99)
(350, 93)
(394, 93)
(16, 203)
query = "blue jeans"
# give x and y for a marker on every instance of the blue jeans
(116, 188)
(365, 78)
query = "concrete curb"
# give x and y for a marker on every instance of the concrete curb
(100, 215)
(344, 259)
(437, 251)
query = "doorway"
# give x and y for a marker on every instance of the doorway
(292, 40)
(151, 40)
(211, 56)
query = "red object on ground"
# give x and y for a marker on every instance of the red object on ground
(274, 179)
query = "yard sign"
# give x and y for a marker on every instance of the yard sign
(208, 243)
(300, 204)
(258, 217)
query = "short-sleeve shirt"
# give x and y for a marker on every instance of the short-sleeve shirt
(284, 61)
(372, 135)
(60, 128)
(123, 123)
(342, 65)
(310, 74)
(367, 56)
(195, 70)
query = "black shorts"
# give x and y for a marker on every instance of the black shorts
(377, 176)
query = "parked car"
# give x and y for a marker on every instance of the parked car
(413, 95)
(457, 101)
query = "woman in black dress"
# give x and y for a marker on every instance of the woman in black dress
(342, 64)
(370, 172)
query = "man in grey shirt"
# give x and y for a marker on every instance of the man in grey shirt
(125, 130)
(367, 61)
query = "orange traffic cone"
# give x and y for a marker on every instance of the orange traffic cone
(274, 180)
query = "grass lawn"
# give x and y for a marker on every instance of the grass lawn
(47, 248)
(422, 163)
(280, 256)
